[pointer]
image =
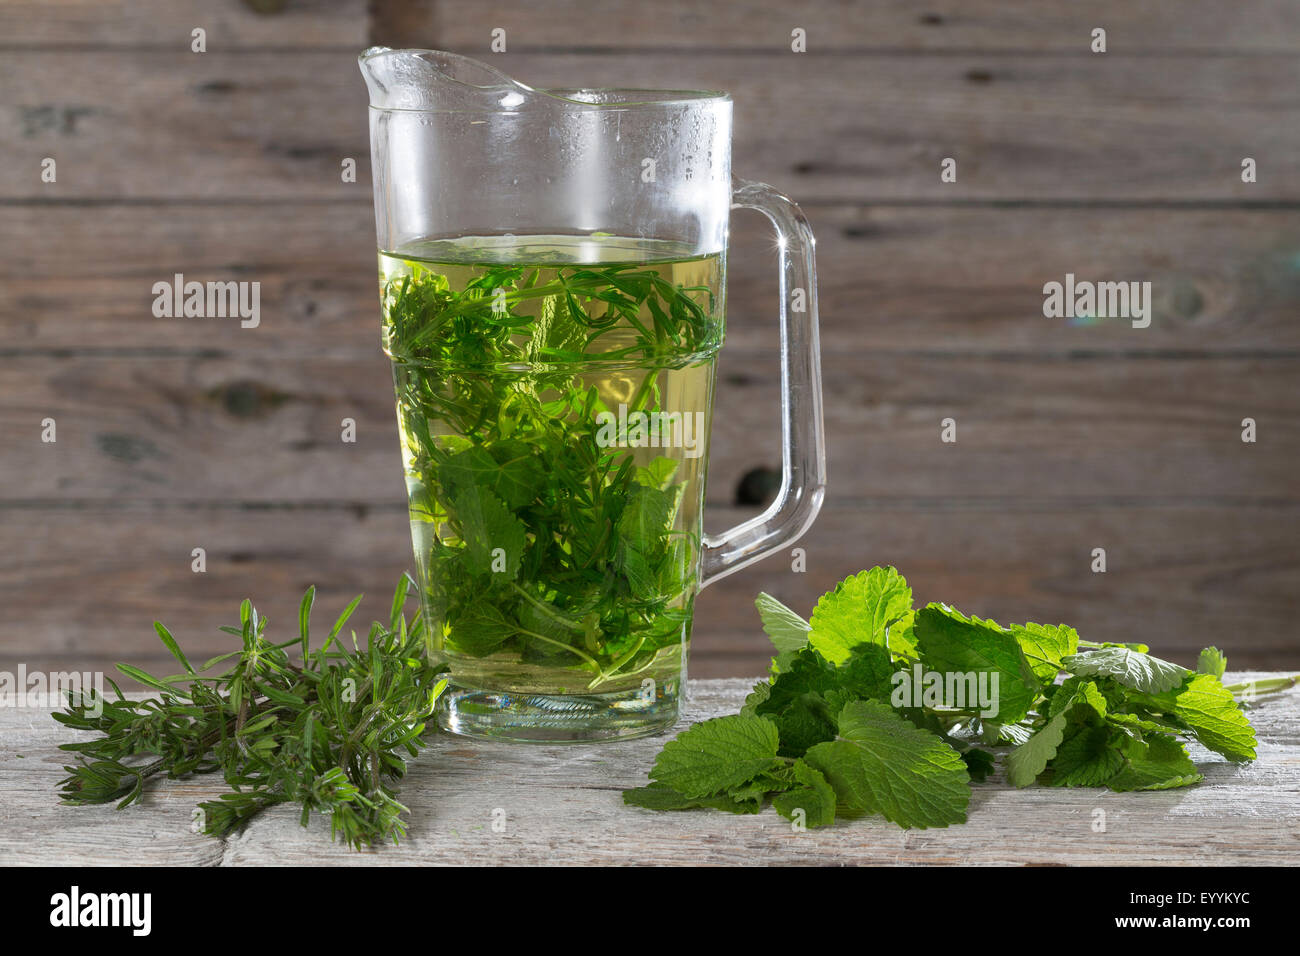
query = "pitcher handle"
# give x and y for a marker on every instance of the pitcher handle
(803, 453)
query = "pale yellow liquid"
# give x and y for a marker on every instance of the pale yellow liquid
(443, 392)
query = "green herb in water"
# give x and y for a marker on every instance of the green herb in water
(329, 732)
(832, 733)
(553, 556)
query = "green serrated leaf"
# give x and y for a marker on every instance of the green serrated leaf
(801, 698)
(902, 636)
(658, 474)
(1078, 692)
(815, 799)
(1139, 671)
(1212, 714)
(520, 476)
(757, 697)
(494, 538)
(1082, 701)
(509, 470)
(646, 515)
(757, 790)
(1045, 646)
(1088, 757)
(1142, 723)
(481, 629)
(949, 642)
(883, 764)
(858, 612)
(1027, 761)
(1158, 763)
(657, 796)
(715, 755)
(1212, 661)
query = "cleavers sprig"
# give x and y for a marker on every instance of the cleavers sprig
(329, 732)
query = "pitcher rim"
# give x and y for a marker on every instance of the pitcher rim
(636, 96)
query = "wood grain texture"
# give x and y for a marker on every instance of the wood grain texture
(166, 24)
(218, 125)
(1037, 27)
(827, 129)
(563, 805)
(933, 279)
(83, 583)
(257, 428)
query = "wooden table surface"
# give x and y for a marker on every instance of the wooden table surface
(562, 805)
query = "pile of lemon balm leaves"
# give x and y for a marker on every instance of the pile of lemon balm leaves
(836, 731)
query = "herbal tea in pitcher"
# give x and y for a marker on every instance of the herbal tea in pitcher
(553, 397)
(552, 285)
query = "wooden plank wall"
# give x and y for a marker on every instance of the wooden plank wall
(176, 434)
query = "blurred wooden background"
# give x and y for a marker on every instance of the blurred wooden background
(182, 433)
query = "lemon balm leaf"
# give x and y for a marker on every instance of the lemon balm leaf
(859, 611)
(717, 754)
(1027, 761)
(1213, 716)
(949, 642)
(1131, 668)
(787, 630)
(881, 763)
(1157, 763)
(816, 798)
(1212, 661)
(832, 704)
(657, 796)
(1046, 646)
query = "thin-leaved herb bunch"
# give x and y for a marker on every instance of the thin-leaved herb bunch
(328, 729)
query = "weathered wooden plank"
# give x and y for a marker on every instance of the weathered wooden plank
(825, 129)
(135, 24)
(141, 566)
(81, 277)
(1187, 26)
(1027, 427)
(563, 805)
(931, 279)
(215, 126)
(85, 584)
(252, 428)
(240, 429)
(971, 279)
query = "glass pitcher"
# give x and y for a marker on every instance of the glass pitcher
(552, 272)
